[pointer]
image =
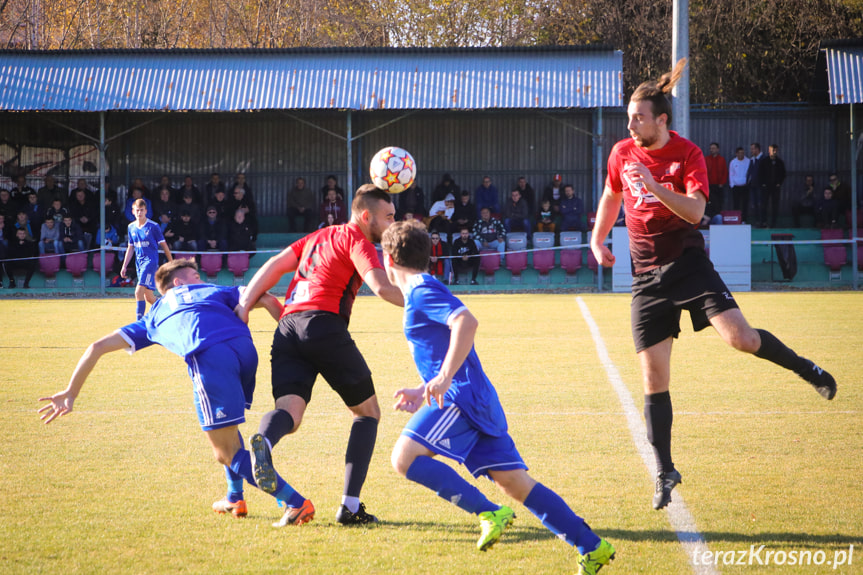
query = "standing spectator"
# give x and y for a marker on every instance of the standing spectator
(86, 214)
(333, 205)
(545, 217)
(571, 210)
(465, 256)
(516, 218)
(189, 187)
(49, 238)
(486, 196)
(738, 179)
(805, 203)
(213, 234)
(164, 208)
(71, 236)
(756, 178)
(842, 195)
(241, 237)
(527, 192)
(717, 176)
(301, 203)
(439, 265)
(20, 191)
(489, 233)
(331, 183)
(50, 191)
(464, 213)
(446, 186)
(773, 177)
(212, 186)
(22, 248)
(554, 193)
(411, 200)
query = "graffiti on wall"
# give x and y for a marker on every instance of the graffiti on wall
(35, 162)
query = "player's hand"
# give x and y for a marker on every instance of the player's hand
(603, 255)
(435, 389)
(241, 312)
(61, 404)
(638, 172)
(123, 273)
(409, 399)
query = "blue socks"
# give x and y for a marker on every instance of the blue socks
(449, 485)
(140, 308)
(558, 518)
(242, 466)
(235, 485)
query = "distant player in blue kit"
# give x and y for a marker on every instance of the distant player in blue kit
(145, 238)
(457, 412)
(197, 322)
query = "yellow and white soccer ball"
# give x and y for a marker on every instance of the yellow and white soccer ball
(393, 169)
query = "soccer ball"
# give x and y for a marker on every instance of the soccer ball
(393, 170)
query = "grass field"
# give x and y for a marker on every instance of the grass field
(124, 484)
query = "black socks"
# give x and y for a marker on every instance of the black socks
(361, 446)
(658, 417)
(774, 350)
(275, 425)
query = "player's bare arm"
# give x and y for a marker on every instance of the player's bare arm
(61, 403)
(689, 207)
(265, 278)
(462, 331)
(377, 281)
(166, 249)
(128, 257)
(606, 215)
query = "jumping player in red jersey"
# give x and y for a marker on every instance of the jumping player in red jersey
(661, 178)
(330, 265)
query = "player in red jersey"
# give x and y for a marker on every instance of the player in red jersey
(330, 265)
(661, 178)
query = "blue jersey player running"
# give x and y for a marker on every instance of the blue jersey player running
(145, 238)
(197, 322)
(457, 412)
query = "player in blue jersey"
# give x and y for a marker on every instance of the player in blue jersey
(197, 322)
(457, 412)
(145, 238)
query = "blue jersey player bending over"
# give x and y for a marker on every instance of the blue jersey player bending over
(145, 238)
(197, 322)
(457, 412)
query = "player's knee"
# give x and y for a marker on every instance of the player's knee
(745, 340)
(401, 461)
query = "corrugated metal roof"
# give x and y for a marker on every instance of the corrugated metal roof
(845, 72)
(354, 79)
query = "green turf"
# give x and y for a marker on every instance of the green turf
(124, 483)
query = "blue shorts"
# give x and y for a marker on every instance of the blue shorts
(147, 275)
(224, 382)
(449, 433)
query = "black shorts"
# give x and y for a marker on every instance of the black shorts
(690, 282)
(309, 343)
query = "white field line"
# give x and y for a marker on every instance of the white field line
(679, 516)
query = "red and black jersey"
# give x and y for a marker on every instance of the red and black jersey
(657, 235)
(332, 264)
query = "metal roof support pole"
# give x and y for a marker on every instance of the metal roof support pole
(680, 49)
(102, 186)
(349, 181)
(854, 196)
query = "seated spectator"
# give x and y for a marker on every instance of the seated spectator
(805, 203)
(411, 200)
(82, 185)
(109, 236)
(489, 233)
(527, 193)
(439, 266)
(71, 236)
(220, 202)
(136, 193)
(411, 216)
(333, 205)
(164, 209)
(331, 220)
(50, 192)
(571, 211)
(213, 234)
(464, 213)
(466, 257)
(554, 193)
(240, 236)
(215, 184)
(35, 213)
(445, 187)
(20, 191)
(486, 196)
(49, 238)
(23, 223)
(440, 215)
(8, 209)
(301, 204)
(545, 217)
(138, 184)
(842, 197)
(56, 212)
(331, 183)
(4, 247)
(113, 215)
(240, 181)
(827, 211)
(84, 211)
(165, 182)
(190, 187)
(22, 249)
(196, 214)
(182, 234)
(515, 214)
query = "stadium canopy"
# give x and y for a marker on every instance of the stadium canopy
(842, 60)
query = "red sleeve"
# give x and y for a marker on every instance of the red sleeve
(615, 168)
(695, 177)
(298, 246)
(364, 256)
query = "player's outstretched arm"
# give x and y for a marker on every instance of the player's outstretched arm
(61, 403)
(462, 331)
(272, 304)
(409, 399)
(377, 281)
(265, 278)
(129, 251)
(606, 215)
